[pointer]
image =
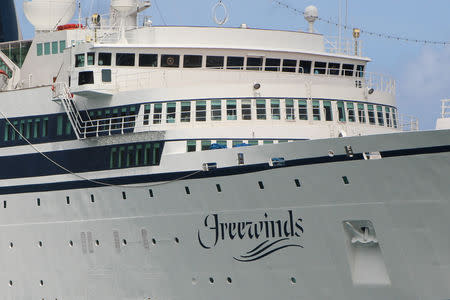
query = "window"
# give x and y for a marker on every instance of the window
(360, 71)
(341, 111)
(234, 62)
(62, 46)
(267, 142)
(6, 132)
(170, 112)
(104, 59)
(327, 110)
(91, 58)
(273, 64)
(316, 110)
(246, 107)
(380, 115)
(55, 47)
(214, 62)
(146, 114)
(59, 125)
(320, 67)
(157, 113)
(86, 77)
(125, 59)
(388, 116)
(361, 113)
(106, 75)
(79, 60)
(36, 128)
(350, 112)
(216, 110)
(192, 61)
(347, 69)
(206, 145)
(185, 111)
(394, 117)
(191, 146)
(130, 154)
(148, 60)
(253, 142)
(39, 49)
(275, 109)
(302, 110)
(29, 128)
(371, 114)
(200, 111)
(231, 110)
(47, 48)
(139, 159)
(222, 143)
(289, 65)
(254, 63)
(305, 67)
(261, 109)
(289, 103)
(333, 68)
(170, 61)
(45, 127)
(237, 143)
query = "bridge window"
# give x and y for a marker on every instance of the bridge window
(86, 77)
(125, 59)
(170, 112)
(55, 47)
(206, 145)
(273, 64)
(47, 48)
(139, 159)
(275, 109)
(59, 125)
(170, 61)
(91, 58)
(261, 109)
(192, 61)
(333, 68)
(360, 71)
(79, 60)
(371, 114)
(185, 111)
(289, 103)
(350, 112)
(305, 67)
(316, 110)
(157, 113)
(380, 115)
(320, 67)
(254, 63)
(394, 117)
(106, 75)
(45, 127)
(361, 113)
(289, 65)
(347, 69)
(62, 46)
(235, 62)
(216, 110)
(388, 116)
(231, 110)
(104, 59)
(341, 111)
(246, 107)
(215, 62)
(302, 110)
(39, 49)
(200, 111)
(191, 146)
(327, 110)
(148, 60)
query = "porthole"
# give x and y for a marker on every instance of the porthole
(188, 192)
(124, 242)
(211, 280)
(293, 280)
(153, 241)
(41, 283)
(297, 183)
(219, 188)
(124, 195)
(177, 240)
(4, 204)
(11, 245)
(38, 202)
(229, 280)
(330, 153)
(261, 185)
(92, 198)
(150, 191)
(67, 200)
(345, 180)
(71, 243)
(40, 244)
(10, 283)
(97, 242)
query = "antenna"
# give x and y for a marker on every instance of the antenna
(79, 11)
(311, 14)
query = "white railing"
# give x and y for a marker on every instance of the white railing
(408, 123)
(445, 108)
(380, 82)
(343, 46)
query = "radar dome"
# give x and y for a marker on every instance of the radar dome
(311, 13)
(48, 14)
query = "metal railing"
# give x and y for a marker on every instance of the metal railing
(445, 108)
(343, 46)
(408, 123)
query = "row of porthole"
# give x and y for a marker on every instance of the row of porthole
(293, 280)
(11, 283)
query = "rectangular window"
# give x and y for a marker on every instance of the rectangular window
(125, 59)
(39, 49)
(231, 110)
(371, 114)
(68, 126)
(147, 150)
(148, 60)
(333, 68)
(302, 110)
(305, 67)
(361, 113)
(316, 110)
(360, 71)
(45, 127)
(327, 110)
(156, 152)
(59, 125)
(122, 157)
(139, 156)
(104, 59)
(47, 48)
(200, 111)
(394, 117)
(146, 114)
(13, 132)
(62, 46)
(86, 77)
(29, 128)
(192, 61)
(289, 65)
(170, 112)
(350, 112)
(215, 62)
(275, 109)
(246, 107)
(289, 103)
(388, 116)
(254, 63)
(55, 47)
(216, 110)
(157, 113)
(185, 111)
(113, 158)
(206, 145)
(235, 63)
(79, 60)
(237, 143)
(6, 132)
(347, 69)
(253, 142)
(260, 109)
(273, 64)
(320, 67)
(91, 58)
(130, 154)
(268, 142)
(191, 146)
(170, 61)
(37, 123)
(341, 111)
(106, 75)
(380, 115)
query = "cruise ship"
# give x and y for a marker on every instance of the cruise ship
(147, 162)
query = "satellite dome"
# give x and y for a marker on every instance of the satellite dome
(48, 14)
(311, 13)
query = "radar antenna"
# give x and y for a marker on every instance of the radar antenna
(311, 14)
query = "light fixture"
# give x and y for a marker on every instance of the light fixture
(257, 86)
(371, 90)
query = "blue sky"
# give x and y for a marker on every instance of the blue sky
(422, 71)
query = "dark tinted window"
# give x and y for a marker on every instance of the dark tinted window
(170, 61)
(289, 65)
(104, 59)
(234, 62)
(254, 63)
(360, 71)
(305, 67)
(215, 62)
(85, 77)
(148, 60)
(192, 61)
(125, 59)
(79, 60)
(347, 69)
(91, 58)
(333, 68)
(320, 67)
(106, 75)
(273, 64)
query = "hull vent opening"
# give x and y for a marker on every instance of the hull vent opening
(365, 258)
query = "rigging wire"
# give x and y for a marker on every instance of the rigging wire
(371, 33)
(85, 178)
(160, 14)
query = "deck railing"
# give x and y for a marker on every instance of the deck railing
(408, 123)
(445, 108)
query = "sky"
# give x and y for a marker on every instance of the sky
(422, 71)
